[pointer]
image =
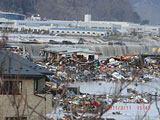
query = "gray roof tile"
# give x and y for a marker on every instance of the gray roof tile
(13, 64)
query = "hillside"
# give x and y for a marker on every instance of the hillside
(75, 9)
(148, 10)
(118, 10)
(21, 6)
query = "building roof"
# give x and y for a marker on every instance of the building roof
(14, 65)
(81, 50)
(122, 31)
(58, 49)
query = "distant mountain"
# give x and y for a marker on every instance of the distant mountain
(21, 6)
(148, 10)
(117, 10)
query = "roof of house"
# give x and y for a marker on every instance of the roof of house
(14, 65)
(69, 50)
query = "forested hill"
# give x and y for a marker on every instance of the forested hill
(117, 10)
(21, 6)
(148, 10)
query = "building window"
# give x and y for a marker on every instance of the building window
(83, 32)
(91, 57)
(88, 32)
(16, 118)
(11, 87)
(62, 31)
(79, 56)
(57, 31)
(78, 32)
(36, 85)
(73, 32)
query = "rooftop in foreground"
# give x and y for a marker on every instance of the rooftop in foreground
(15, 65)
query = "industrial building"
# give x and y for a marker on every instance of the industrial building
(80, 31)
(87, 27)
(12, 16)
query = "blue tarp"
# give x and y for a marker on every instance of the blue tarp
(53, 80)
(120, 72)
(11, 47)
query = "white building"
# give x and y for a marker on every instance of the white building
(151, 30)
(143, 29)
(87, 18)
(80, 31)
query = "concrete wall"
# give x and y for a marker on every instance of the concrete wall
(26, 101)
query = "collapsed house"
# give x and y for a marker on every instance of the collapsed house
(75, 53)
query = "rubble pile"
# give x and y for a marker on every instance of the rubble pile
(130, 68)
(122, 68)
